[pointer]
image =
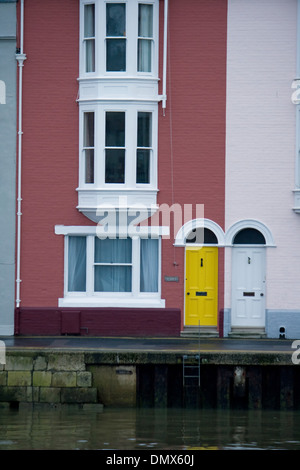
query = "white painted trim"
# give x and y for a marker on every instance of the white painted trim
(142, 231)
(249, 223)
(185, 230)
(224, 239)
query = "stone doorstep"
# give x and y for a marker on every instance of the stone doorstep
(251, 333)
(202, 332)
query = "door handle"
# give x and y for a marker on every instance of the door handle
(201, 264)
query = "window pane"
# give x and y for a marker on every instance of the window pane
(144, 130)
(145, 21)
(145, 30)
(143, 150)
(88, 130)
(117, 250)
(89, 21)
(115, 129)
(149, 265)
(116, 55)
(116, 28)
(89, 34)
(113, 278)
(88, 143)
(143, 166)
(115, 166)
(77, 264)
(89, 166)
(115, 19)
(90, 55)
(144, 55)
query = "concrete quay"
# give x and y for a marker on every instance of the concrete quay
(161, 372)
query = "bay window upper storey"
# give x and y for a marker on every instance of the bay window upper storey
(118, 146)
(119, 38)
(118, 105)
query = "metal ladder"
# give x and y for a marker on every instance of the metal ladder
(191, 370)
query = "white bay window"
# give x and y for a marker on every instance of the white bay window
(118, 106)
(126, 148)
(118, 156)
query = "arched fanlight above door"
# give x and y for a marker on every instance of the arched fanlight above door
(202, 236)
(249, 236)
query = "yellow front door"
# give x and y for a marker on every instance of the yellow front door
(201, 286)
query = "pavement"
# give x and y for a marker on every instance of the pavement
(179, 345)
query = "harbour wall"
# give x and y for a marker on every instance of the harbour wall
(250, 380)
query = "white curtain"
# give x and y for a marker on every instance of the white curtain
(77, 264)
(149, 265)
(114, 271)
(89, 33)
(145, 31)
(144, 55)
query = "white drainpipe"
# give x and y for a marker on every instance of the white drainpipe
(164, 89)
(20, 58)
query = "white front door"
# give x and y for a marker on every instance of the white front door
(248, 287)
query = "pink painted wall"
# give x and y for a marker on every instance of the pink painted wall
(260, 149)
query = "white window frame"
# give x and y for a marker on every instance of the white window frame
(90, 298)
(131, 114)
(131, 39)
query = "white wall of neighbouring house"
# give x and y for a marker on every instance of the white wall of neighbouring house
(261, 138)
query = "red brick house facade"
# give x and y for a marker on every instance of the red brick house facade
(124, 107)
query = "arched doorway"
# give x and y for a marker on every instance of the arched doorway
(248, 279)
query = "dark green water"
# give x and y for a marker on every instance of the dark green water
(148, 429)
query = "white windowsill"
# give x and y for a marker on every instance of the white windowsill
(109, 302)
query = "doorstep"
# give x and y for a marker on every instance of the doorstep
(247, 332)
(202, 332)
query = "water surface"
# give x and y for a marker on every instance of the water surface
(148, 429)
